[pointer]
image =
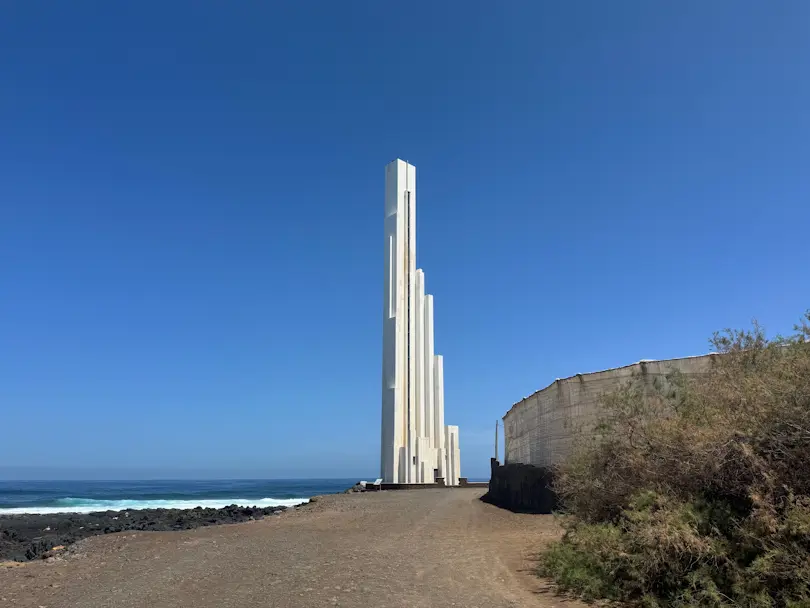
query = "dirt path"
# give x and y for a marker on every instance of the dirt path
(421, 548)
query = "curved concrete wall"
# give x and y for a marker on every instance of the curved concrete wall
(539, 429)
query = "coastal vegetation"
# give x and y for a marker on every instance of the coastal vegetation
(696, 493)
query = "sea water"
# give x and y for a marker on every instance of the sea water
(17, 497)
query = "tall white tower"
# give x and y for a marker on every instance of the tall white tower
(416, 446)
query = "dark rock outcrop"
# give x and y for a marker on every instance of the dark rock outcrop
(27, 537)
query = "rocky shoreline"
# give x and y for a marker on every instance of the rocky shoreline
(27, 537)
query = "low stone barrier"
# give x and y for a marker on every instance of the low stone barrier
(522, 488)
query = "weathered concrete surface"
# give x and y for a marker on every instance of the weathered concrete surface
(540, 429)
(431, 548)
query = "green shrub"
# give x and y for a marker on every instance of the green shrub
(583, 563)
(700, 495)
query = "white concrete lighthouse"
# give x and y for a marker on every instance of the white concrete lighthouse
(416, 446)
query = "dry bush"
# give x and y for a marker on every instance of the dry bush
(697, 496)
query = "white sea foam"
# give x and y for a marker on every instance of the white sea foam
(87, 505)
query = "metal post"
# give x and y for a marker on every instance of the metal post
(496, 440)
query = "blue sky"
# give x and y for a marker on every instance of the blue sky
(191, 213)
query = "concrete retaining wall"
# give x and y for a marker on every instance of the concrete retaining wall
(539, 429)
(521, 487)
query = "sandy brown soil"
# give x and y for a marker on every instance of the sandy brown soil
(425, 548)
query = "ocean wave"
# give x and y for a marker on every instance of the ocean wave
(89, 505)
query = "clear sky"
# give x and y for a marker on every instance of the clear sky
(191, 212)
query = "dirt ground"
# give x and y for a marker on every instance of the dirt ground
(418, 548)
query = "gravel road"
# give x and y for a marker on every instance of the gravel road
(418, 548)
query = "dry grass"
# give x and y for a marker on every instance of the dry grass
(700, 495)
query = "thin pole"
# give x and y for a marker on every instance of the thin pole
(496, 440)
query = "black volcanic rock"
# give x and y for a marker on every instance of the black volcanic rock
(27, 537)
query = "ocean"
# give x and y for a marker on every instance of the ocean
(18, 497)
